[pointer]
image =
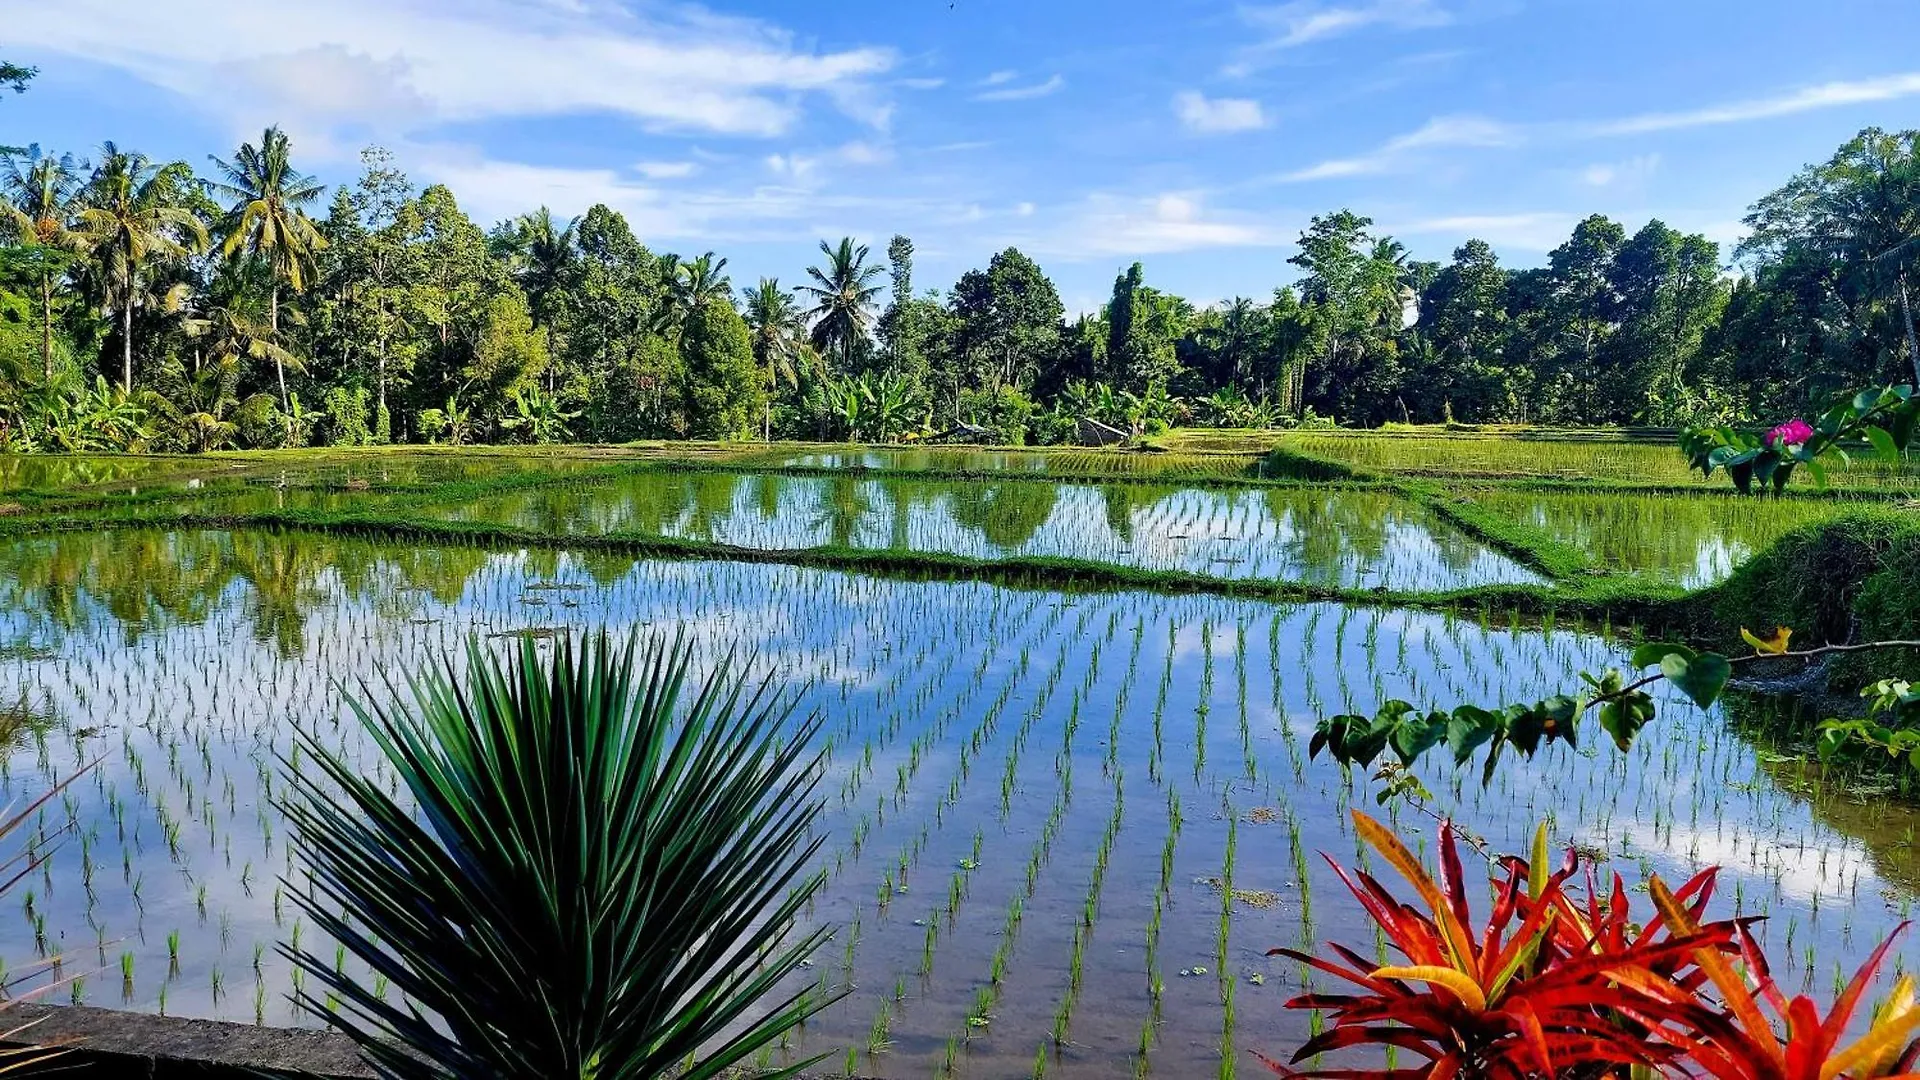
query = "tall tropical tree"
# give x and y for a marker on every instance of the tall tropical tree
(543, 254)
(1861, 212)
(267, 221)
(773, 320)
(136, 214)
(843, 297)
(690, 284)
(41, 193)
(1232, 336)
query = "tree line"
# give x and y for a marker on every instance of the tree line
(153, 305)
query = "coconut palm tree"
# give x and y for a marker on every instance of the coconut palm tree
(1233, 335)
(774, 322)
(267, 220)
(40, 194)
(611, 854)
(135, 214)
(843, 293)
(690, 285)
(543, 254)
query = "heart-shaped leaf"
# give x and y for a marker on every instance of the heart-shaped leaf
(1882, 440)
(1623, 717)
(1650, 654)
(1700, 678)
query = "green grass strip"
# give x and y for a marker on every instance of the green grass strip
(1521, 541)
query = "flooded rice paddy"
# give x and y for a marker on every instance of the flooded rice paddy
(1063, 828)
(1354, 538)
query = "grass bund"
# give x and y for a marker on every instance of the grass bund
(1065, 704)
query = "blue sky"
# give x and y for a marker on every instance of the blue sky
(1196, 136)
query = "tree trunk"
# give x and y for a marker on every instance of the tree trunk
(46, 326)
(279, 368)
(126, 346)
(1913, 343)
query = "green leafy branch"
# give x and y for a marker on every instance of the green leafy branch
(1623, 703)
(1892, 724)
(1885, 418)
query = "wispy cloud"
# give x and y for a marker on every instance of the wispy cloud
(1617, 174)
(1804, 99)
(1305, 21)
(1213, 116)
(1538, 231)
(1441, 131)
(805, 167)
(1024, 93)
(403, 65)
(785, 209)
(666, 170)
(999, 78)
(1104, 225)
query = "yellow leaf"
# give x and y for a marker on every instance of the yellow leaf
(1537, 869)
(1462, 987)
(1771, 646)
(1733, 990)
(1875, 1051)
(1458, 940)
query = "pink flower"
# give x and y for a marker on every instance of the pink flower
(1794, 432)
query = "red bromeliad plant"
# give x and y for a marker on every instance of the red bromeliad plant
(1522, 998)
(1571, 987)
(1744, 1044)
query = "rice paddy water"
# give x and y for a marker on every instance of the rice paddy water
(1064, 826)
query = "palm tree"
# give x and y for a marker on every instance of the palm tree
(267, 220)
(690, 285)
(1233, 335)
(135, 213)
(773, 320)
(844, 296)
(612, 851)
(41, 193)
(543, 254)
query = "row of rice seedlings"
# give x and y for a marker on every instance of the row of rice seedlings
(198, 713)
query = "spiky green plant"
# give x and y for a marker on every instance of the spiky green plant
(602, 877)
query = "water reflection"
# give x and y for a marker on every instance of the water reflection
(1688, 540)
(1353, 538)
(964, 717)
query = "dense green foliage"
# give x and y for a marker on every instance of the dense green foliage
(1847, 585)
(601, 879)
(145, 307)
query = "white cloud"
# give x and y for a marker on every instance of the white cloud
(1462, 130)
(786, 210)
(1104, 226)
(1618, 174)
(666, 170)
(1024, 209)
(1805, 99)
(999, 77)
(401, 65)
(802, 168)
(1441, 131)
(1302, 22)
(1217, 115)
(1525, 231)
(1024, 93)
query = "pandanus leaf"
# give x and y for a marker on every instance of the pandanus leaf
(600, 873)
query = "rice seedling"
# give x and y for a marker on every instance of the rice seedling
(937, 689)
